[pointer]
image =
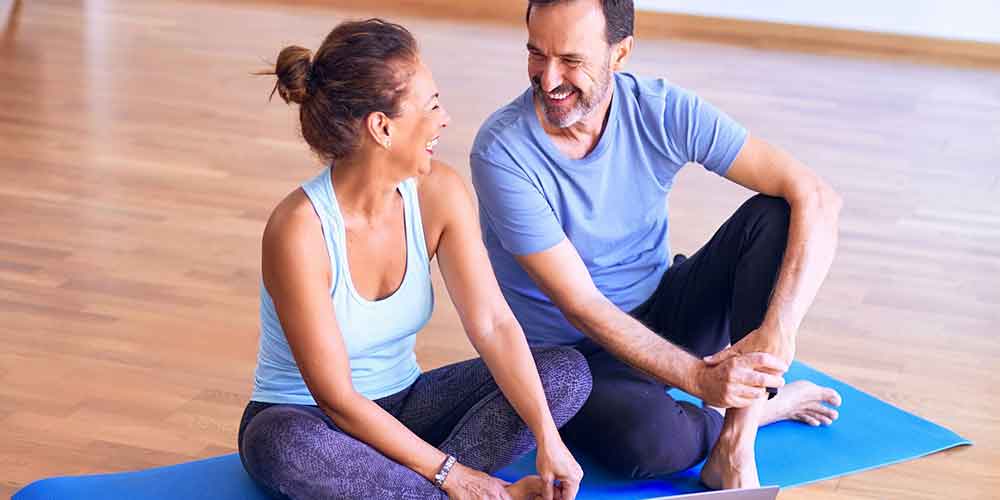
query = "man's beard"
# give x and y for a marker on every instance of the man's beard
(584, 105)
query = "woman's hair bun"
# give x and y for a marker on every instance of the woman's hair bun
(293, 69)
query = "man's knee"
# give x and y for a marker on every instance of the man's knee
(772, 210)
(566, 380)
(663, 440)
(644, 454)
(766, 222)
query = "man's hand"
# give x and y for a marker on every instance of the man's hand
(763, 339)
(737, 380)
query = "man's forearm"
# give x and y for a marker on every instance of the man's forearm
(812, 243)
(630, 341)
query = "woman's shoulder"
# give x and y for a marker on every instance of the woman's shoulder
(441, 179)
(293, 214)
(293, 232)
(443, 188)
(445, 198)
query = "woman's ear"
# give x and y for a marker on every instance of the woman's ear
(379, 127)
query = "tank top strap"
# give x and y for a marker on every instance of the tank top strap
(320, 193)
(416, 241)
(319, 190)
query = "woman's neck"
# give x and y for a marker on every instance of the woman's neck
(364, 185)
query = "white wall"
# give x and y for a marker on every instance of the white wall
(977, 20)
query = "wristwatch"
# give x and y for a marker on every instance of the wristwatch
(443, 472)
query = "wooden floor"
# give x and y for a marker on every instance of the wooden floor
(139, 160)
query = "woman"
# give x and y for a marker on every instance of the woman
(340, 408)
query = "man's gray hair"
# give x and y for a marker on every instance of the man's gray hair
(619, 17)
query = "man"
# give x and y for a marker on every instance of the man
(572, 179)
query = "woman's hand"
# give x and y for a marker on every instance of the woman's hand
(556, 463)
(464, 483)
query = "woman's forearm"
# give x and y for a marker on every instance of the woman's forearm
(369, 423)
(506, 353)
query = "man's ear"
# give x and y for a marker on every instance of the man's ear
(620, 53)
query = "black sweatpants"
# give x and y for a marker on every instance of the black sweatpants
(703, 303)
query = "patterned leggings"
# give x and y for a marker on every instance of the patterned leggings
(296, 451)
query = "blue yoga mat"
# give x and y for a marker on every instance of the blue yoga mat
(869, 434)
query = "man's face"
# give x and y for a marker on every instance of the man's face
(569, 60)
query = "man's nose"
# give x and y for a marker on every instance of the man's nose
(551, 77)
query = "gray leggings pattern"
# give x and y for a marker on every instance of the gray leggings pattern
(296, 451)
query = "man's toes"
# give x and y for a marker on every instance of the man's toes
(807, 419)
(821, 409)
(830, 413)
(821, 418)
(831, 396)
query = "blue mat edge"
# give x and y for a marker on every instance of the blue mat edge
(961, 441)
(59, 480)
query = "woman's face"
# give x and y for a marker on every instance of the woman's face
(418, 127)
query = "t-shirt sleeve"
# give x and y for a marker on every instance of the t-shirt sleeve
(514, 207)
(701, 133)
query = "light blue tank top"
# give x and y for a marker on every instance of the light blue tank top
(379, 334)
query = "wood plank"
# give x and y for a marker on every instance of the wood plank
(139, 161)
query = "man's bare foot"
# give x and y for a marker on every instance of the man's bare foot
(526, 488)
(730, 465)
(803, 401)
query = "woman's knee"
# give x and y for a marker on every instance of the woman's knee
(565, 378)
(275, 440)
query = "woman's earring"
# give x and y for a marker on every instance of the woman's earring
(388, 143)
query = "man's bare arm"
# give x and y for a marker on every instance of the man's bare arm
(812, 240)
(563, 277)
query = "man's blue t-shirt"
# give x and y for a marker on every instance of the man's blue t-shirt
(611, 204)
